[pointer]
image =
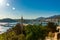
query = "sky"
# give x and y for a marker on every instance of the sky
(29, 9)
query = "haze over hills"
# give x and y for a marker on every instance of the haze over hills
(51, 17)
(7, 20)
(29, 20)
(40, 18)
(55, 17)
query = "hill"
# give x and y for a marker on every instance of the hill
(51, 17)
(7, 20)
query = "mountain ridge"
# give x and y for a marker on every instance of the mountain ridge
(29, 20)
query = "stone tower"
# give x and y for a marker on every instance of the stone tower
(21, 24)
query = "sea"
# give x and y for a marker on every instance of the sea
(4, 26)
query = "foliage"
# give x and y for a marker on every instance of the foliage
(35, 32)
(52, 26)
(21, 37)
(30, 32)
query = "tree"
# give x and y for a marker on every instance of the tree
(17, 29)
(35, 32)
(21, 37)
(52, 26)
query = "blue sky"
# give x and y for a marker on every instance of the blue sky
(29, 9)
